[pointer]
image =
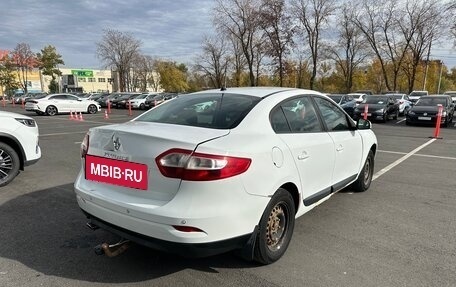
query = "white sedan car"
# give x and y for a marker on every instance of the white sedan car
(61, 103)
(19, 145)
(232, 175)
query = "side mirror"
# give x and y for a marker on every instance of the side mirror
(363, 124)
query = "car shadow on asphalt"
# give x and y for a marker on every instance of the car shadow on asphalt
(45, 230)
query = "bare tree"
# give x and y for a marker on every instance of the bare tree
(277, 26)
(117, 50)
(389, 30)
(147, 75)
(313, 16)
(351, 48)
(239, 19)
(25, 61)
(238, 62)
(214, 60)
(427, 19)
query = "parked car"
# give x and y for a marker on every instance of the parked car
(54, 104)
(19, 145)
(121, 102)
(416, 95)
(367, 92)
(426, 109)
(404, 102)
(347, 102)
(155, 101)
(380, 107)
(452, 94)
(215, 171)
(139, 102)
(359, 97)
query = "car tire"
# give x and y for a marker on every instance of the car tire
(92, 109)
(275, 228)
(364, 179)
(142, 106)
(51, 111)
(9, 164)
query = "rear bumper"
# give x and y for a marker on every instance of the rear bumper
(184, 249)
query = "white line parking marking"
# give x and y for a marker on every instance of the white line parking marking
(400, 121)
(77, 142)
(418, 154)
(389, 167)
(60, 134)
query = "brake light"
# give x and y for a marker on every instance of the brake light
(85, 146)
(186, 165)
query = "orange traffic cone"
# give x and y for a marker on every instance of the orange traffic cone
(106, 116)
(81, 119)
(71, 118)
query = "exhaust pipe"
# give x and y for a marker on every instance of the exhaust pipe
(113, 249)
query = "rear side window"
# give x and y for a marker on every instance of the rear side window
(216, 111)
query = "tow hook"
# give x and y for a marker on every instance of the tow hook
(112, 250)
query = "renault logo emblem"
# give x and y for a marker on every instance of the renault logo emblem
(116, 142)
(425, 114)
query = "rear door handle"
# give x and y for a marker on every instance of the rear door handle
(340, 148)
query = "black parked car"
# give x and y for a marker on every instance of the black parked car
(382, 107)
(121, 102)
(426, 109)
(347, 102)
(155, 101)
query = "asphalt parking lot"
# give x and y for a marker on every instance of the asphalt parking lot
(401, 232)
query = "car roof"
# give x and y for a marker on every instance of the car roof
(260, 92)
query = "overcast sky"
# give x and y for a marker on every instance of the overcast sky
(169, 29)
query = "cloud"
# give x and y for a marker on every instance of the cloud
(167, 29)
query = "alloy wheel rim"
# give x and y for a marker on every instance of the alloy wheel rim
(367, 172)
(6, 165)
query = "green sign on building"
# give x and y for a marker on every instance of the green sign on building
(83, 73)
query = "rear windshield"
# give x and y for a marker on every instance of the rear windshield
(216, 111)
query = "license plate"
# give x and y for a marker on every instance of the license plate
(117, 172)
(368, 114)
(424, 118)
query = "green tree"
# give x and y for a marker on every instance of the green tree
(7, 76)
(49, 60)
(173, 77)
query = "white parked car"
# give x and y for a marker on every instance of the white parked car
(19, 145)
(359, 97)
(61, 103)
(452, 94)
(139, 102)
(218, 170)
(416, 95)
(404, 102)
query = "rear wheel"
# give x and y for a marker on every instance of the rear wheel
(51, 111)
(142, 106)
(9, 164)
(365, 176)
(276, 228)
(92, 109)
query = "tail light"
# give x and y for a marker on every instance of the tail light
(85, 145)
(186, 165)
